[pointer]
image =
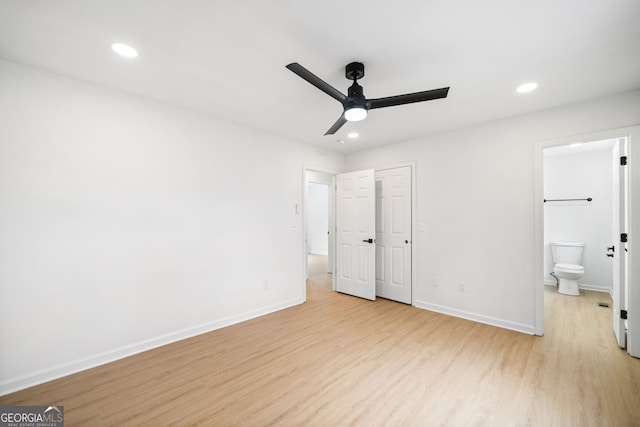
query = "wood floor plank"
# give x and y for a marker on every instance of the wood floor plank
(338, 360)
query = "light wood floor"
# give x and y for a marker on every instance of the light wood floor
(338, 360)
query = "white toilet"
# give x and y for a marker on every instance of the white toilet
(567, 260)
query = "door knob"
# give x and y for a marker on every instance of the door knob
(368, 240)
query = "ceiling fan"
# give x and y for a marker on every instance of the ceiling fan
(355, 104)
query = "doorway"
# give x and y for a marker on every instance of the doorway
(577, 188)
(578, 207)
(579, 219)
(319, 221)
(318, 228)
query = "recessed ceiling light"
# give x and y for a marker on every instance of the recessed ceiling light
(527, 87)
(575, 144)
(353, 135)
(124, 50)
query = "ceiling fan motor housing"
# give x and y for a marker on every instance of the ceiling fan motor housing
(354, 71)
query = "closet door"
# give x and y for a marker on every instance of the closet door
(393, 234)
(355, 222)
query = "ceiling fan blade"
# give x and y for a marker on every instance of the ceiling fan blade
(408, 98)
(317, 82)
(337, 125)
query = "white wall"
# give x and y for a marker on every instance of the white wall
(126, 224)
(475, 202)
(318, 219)
(580, 175)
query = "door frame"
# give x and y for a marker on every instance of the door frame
(633, 304)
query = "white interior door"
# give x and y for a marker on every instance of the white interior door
(620, 186)
(355, 244)
(393, 234)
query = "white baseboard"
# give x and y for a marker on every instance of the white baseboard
(35, 378)
(488, 320)
(596, 288)
(586, 287)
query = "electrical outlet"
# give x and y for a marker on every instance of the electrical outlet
(265, 285)
(436, 282)
(460, 287)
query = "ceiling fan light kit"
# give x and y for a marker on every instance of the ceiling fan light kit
(355, 105)
(355, 113)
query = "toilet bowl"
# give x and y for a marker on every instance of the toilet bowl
(567, 258)
(568, 275)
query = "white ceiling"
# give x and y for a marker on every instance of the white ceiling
(227, 57)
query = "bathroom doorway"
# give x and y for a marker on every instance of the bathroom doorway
(580, 198)
(578, 207)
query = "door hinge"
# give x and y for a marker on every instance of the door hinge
(623, 314)
(623, 161)
(623, 237)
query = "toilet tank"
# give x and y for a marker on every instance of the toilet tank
(567, 252)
